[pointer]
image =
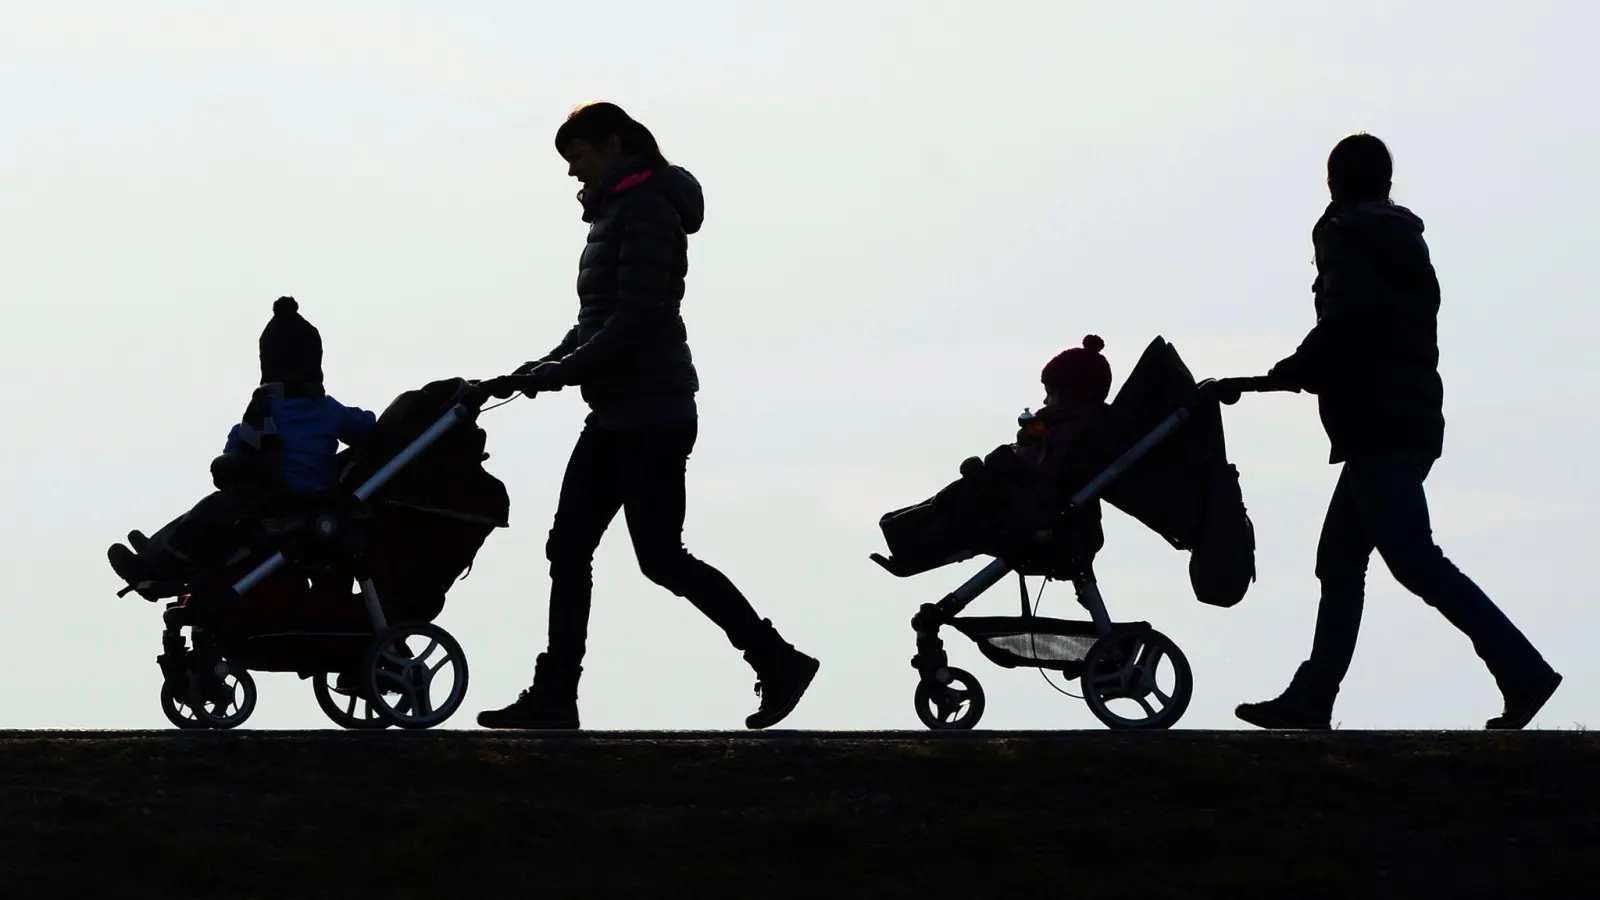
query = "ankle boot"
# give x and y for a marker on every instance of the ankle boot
(549, 704)
(783, 674)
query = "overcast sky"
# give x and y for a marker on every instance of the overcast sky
(911, 206)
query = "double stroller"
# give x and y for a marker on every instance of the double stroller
(1158, 455)
(413, 507)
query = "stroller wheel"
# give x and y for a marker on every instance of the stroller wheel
(218, 700)
(415, 689)
(956, 705)
(1125, 668)
(178, 709)
(225, 697)
(346, 710)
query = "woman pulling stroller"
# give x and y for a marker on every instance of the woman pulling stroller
(630, 355)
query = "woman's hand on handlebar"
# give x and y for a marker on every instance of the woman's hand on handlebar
(539, 376)
(501, 387)
(529, 379)
(1227, 391)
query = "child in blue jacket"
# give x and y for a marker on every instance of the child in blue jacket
(286, 445)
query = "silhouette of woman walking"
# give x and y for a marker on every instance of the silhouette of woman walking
(629, 353)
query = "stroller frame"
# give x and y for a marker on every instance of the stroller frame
(1121, 657)
(393, 684)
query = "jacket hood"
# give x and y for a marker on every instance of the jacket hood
(1380, 223)
(1380, 218)
(683, 191)
(680, 188)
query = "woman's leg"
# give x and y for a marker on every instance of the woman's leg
(652, 464)
(591, 495)
(1343, 552)
(1395, 507)
(590, 498)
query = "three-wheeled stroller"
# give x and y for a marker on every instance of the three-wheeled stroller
(413, 508)
(1158, 455)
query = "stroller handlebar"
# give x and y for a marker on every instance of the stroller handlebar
(1227, 391)
(501, 387)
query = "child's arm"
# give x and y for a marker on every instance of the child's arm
(355, 424)
(233, 444)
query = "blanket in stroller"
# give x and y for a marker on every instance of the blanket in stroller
(997, 508)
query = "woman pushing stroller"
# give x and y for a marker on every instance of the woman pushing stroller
(1372, 360)
(630, 355)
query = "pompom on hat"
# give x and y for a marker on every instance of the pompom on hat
(1079, 374)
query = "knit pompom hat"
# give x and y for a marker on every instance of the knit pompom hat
(291, 347)
(1079, 374)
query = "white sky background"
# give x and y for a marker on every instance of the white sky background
(911, 205)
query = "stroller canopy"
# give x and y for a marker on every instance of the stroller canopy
(1184, 489)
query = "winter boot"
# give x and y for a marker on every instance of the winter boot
(783, 674)
(550, 704)
(127, 564)
(1522, 706)
(1283, 712)
(1300, 707)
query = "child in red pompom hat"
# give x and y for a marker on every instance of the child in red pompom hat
(1079, 376)
(1077, 382)
(1015, 491)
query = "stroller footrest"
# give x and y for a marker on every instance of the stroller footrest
(152, 591)
(889, 565)
(906, 568)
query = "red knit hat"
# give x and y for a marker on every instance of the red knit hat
(1080, 374)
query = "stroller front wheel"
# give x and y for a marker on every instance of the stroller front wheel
(956, 705)
(1124, 667)
(178, 710)
(221, 699)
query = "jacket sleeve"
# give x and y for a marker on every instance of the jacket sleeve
(1348, 287)
(644, 279)
(233, 444)
(569, 343)
(354, 424)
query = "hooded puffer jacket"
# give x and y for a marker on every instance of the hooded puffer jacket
(629, 351)
(1373, 357)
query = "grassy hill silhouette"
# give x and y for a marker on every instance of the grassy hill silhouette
(1090, 814)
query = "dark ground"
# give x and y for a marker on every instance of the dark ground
(1187, 814)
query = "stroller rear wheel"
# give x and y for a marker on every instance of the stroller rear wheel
(349, 711)
(1126, 666)
(955, 705)
(406, 687)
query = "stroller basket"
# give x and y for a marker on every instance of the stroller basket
(1034, 642)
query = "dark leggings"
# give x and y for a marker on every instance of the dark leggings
(640, 472)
